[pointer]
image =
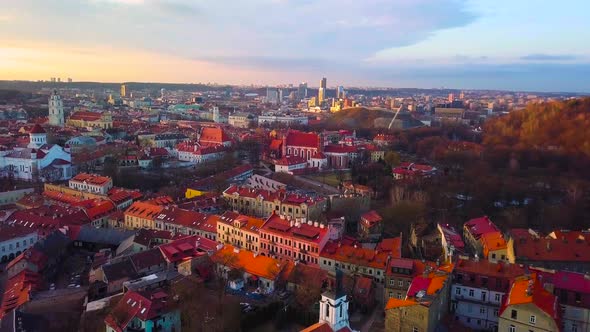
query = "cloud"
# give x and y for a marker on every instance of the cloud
(335, 30)
(548, 57)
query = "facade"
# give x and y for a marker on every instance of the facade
(425, 304)
(271, 118)
(15, 239)
(290, 165)
(187, 222)
(559, 250)
(241, 120)
(56, 110)
(264, 203)
(293, 239)
(485, 238)
(85, 119)
(353, 259)
(302, 145)
(239, 230)
(573, 292)
(142, 215)
(371, 225)
(529, 307)
(478, 291)
(92, 183)
(39, 160)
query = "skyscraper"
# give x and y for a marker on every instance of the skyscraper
(272, 95)
(123, 90)
(340, 94)
(322, 90)
(302, 91)
(56, 110)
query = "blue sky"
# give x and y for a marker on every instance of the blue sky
(519, 44)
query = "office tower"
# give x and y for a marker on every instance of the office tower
(451, 97)
(56, 110)
(52, 80)
(272, 95)
(462, 95)
(321, 95)
(69, 80)
(123, 90)
(59, 80)
(302, 91)
(162, 93)
(323, 83)
(340, 92)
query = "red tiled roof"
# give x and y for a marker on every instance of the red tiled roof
(529, 290)
(534, 247)
(37, 129)
(371, 218)
(301, 139)
(340, 149)
(145, 305)
(479, 226)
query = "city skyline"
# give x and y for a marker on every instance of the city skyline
(526, 45)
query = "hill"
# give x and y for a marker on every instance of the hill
(367, 118)
(554, 126)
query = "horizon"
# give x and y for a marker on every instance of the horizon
(285, 85)
(463, 44)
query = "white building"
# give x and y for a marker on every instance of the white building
(56, 110)
(14, 239)
(333, 313)
(47, 162)
(478, 290)
(241, 120)
(92, 183)
(272, 118)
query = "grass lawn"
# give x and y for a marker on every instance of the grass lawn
(330, 178)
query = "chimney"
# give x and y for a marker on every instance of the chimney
(548, 245)
(316, 224)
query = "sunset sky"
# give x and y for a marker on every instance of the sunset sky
(499, 44)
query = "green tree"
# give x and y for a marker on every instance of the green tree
(391, 158)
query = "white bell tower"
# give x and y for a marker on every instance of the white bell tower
(334, 306)
(56, 110)
(334, 310)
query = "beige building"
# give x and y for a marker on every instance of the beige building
(425, 304)
(239, 230)
(262, 203)
(529, 307)
(142, 215)
(84, 119)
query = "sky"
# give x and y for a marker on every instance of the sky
(532, 45)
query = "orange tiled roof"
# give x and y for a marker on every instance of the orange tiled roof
(258, 265)
(397, 303)
(144, 210)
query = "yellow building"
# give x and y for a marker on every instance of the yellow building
(529, 307)
(239, 230)
(84, 119)
(142, 215)
(423, 309)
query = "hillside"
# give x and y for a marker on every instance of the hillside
(362, 117)
(555, 126)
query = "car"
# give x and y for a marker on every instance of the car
(71, 285)
(52, 286)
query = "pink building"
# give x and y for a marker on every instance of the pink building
(293, 239)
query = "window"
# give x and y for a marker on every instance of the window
(482, 310)
(471, 293)
(498, 297)
(513, 314)
(458, 291)
(414, 329)
(533, 319)
(574, 328)
(400, 283)
(512, 328)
